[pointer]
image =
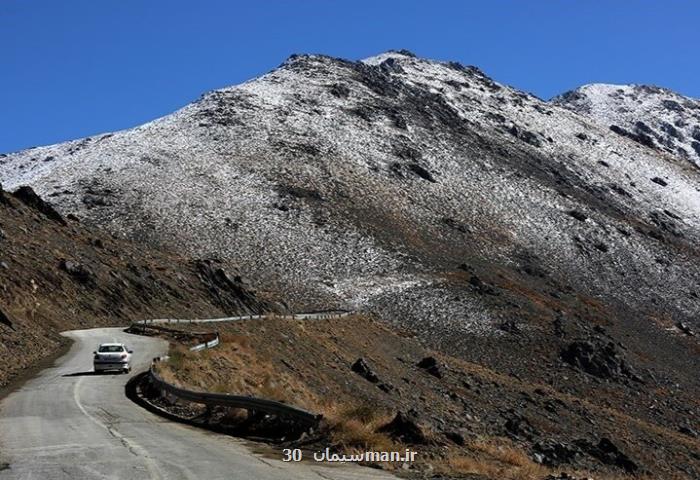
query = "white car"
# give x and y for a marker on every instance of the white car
(112, 356)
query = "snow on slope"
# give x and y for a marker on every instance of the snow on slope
(343, 182)
(656, 117)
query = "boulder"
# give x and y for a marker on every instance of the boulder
(552, 453)
(405, 428)
(455, 437)
(431, 366)
(608, 453)
(78, 271)
(361, 368)
(518, 426)
(597, 358)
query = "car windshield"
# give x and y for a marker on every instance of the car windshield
(111, 349)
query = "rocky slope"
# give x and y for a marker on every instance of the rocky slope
(655, 117)
(360, 374)
(56, 274)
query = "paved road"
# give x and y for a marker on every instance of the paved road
(70, 424)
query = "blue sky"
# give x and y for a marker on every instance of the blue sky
(74, 68)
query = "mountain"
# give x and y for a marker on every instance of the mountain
(524, 235)
(349, 182)
(656, 117)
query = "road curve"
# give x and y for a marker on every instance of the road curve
(68, 423)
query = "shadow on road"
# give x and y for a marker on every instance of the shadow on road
(90, 373)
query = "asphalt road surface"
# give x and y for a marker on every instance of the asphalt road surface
(68, 423)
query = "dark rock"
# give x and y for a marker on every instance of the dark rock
(553, 453)
(510, 326)
(639, 137)
(518, 426)
(525, 135)
(27, 196)
(431, 366)
(299, 193)
(361, 368)
(696, 147)
(685, 430)
(339, 90)
(672, 105)
(78, 271)
(455, 437)
(230, 292)
(421, 172)
(580, 216)
(391, 65)
(602, 360)
(92, 201)
(685, 328)
(386, 387)
(404, 52)
(479, 286)
(601, 247)
(608, 453)
(659, 181)
(455, 225)
(405, 428)
(5, 319)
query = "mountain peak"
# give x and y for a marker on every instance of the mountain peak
(656, 117)
(390, 54)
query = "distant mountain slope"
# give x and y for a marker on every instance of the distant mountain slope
(656, 117)
(362, 184)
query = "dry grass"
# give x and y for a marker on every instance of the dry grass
(211, 370)
(498, 458)
(353, 428)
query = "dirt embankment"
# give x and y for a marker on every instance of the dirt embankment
(464, 419)
(57, 274)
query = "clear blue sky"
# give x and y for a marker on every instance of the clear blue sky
(73, 68)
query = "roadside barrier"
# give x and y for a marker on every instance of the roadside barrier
(294, 316)
(211, 340)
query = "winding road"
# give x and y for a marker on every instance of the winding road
(68, 423)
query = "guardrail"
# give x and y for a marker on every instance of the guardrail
(293, 316)
(235, 401)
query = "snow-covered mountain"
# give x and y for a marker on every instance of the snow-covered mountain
(656, 117)
(388, 182)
